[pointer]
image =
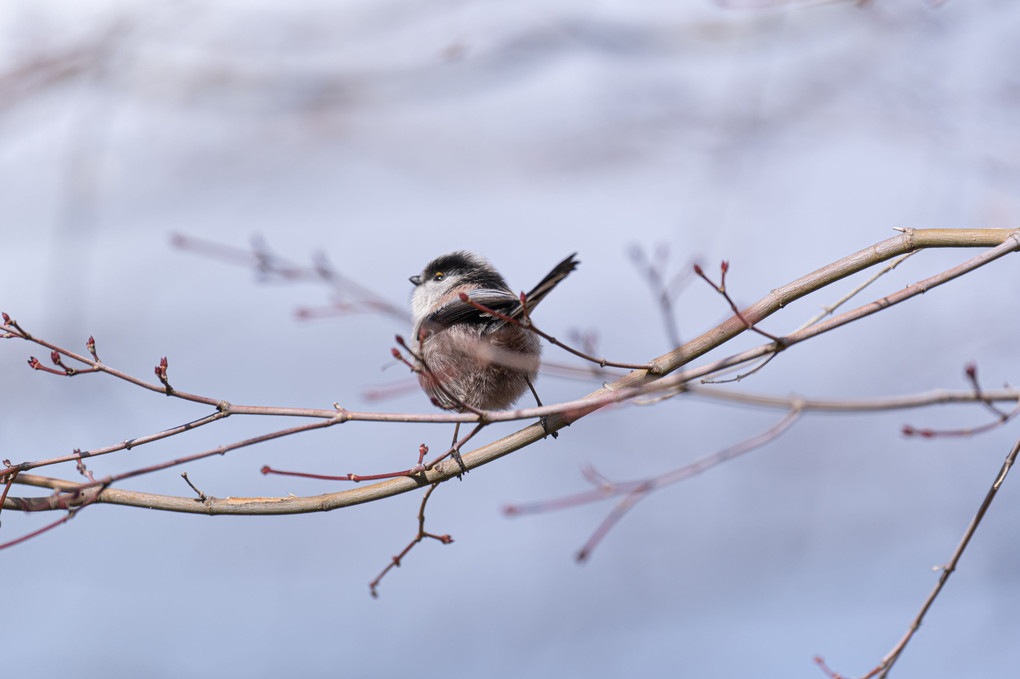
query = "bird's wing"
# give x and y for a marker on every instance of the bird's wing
(459, 311)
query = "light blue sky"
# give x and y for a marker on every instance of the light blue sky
(385, 133)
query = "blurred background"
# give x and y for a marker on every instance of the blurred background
(778, 136)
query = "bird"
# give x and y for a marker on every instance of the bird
(467, 359)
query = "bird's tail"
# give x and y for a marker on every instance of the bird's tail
(546, 285)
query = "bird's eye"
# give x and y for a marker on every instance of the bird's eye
(438, 276)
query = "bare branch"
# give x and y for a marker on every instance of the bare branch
(634, 491)
(636, 383)
(529, 324)
(720, 287)
(828, 310)
(350, 297)
(421, 535)
(890, 659)
(664, 290)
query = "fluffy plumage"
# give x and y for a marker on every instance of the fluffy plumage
(466, 356)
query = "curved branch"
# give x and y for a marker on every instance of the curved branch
(635, 383)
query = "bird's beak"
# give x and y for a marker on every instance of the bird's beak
(415, 279)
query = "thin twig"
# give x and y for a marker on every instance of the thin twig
(664, 291)
(71, 512)
(828, 310)
(421, 535)
(971, 372)
(530, 325)
(350, 296)
(882, 670)
(635, 491)
(201, 495)
(721, 289)
(416, 469)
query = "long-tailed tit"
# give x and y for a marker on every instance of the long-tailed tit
(466, 358)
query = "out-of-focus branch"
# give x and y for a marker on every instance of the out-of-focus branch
(665, 288)
(635, 491)
(349, 296)
(904, 402)
(39, 73)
